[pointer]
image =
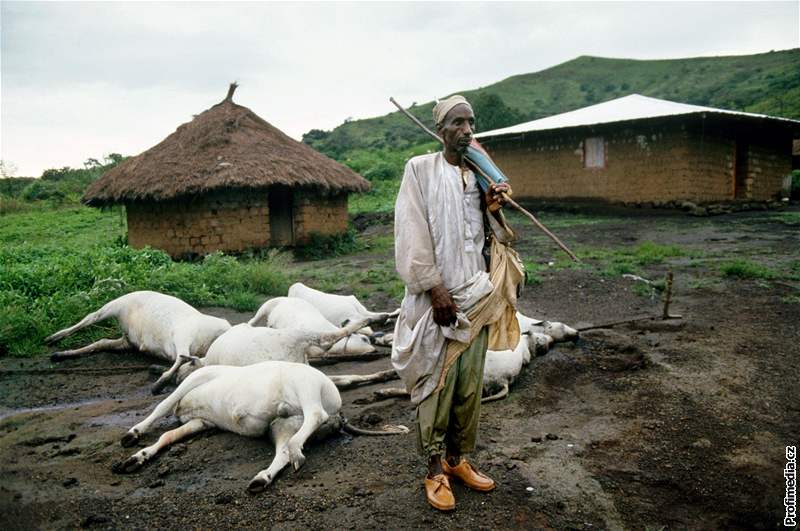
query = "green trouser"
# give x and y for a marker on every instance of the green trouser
(448, 419)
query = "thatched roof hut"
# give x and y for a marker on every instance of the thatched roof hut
(223, 181)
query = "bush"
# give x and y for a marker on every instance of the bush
(59, 185)
(795, 190)
(44, 190)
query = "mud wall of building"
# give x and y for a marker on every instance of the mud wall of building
(227, 221)
(768, 165)
(319, 214)
(713, 150)
(642, 163)
(654, 161)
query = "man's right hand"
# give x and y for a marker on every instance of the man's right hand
(444, 309)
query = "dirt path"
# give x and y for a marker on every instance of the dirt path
(678, 424)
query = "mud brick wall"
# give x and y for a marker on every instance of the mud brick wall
(319, 214)
(712, 150)
(642, 164)
(768, 165)
(710, 164)
(230, 221)
(654, 161)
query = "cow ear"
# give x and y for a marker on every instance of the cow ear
(345, 323)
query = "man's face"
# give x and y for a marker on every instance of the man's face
(457, 128)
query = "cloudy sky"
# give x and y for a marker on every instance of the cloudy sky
(83, 80)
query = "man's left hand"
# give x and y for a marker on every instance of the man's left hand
(494, 197)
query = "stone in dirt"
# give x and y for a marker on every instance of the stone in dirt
(94, 519)
(223, 498)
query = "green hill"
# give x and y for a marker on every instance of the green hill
(766, 83)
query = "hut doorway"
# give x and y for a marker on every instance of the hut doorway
(281, 216)
(740, 190)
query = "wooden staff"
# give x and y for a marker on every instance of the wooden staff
(507, 199)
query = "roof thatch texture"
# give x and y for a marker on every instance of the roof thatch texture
(227, 146)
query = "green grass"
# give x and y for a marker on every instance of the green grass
(379, 200)
(532, 273)
(74, 227)
(384, 169)
(747, 270)
(321, 246)
(378, 276)
(791, 299)
(630, 260)
(789, 218)
(57, 266)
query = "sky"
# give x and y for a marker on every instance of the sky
(81, 80)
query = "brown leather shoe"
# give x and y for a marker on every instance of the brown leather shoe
(469, 475)
(438, 492)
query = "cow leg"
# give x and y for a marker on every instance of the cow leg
(497, 396)
(167, 375)
(109, 310)
(98, 346)
(313, 417)
(384, 394)
(281, 430)
(137, 460)
(391, 392)
(346, 381)
(168, 405)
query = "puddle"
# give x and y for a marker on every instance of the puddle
(7, 413)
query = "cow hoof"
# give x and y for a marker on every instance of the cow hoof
(257, 485)
(130, 439)
(131, 464)
(298, 460)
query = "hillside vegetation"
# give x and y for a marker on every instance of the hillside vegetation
(766, 83)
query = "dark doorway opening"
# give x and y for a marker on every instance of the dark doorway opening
(281, 216)
(740, 171)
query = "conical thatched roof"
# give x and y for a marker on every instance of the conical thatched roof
(227, 146)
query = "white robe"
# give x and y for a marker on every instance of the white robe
(439, 238)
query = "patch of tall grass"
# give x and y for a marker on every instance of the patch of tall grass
(44, 288)
(747, 269)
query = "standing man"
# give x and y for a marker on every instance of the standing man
(453, 307)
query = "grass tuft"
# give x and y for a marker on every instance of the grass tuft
(747, 269)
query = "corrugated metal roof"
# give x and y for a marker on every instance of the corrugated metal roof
(632, 107)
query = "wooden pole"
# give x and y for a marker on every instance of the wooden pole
(507, 199)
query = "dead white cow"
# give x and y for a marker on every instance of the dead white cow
(558, 331)
(290, 400)
(298, 314)
(244, 345)
(500, 369)
(339, 310)
(503, 366)
(161, 325)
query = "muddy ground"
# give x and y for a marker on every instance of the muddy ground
(656, 424)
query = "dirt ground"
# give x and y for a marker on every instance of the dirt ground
(652, 425)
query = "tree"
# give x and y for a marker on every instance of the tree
(491, 112)
(314, 136)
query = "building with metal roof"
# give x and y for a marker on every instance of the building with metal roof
(642, 149)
